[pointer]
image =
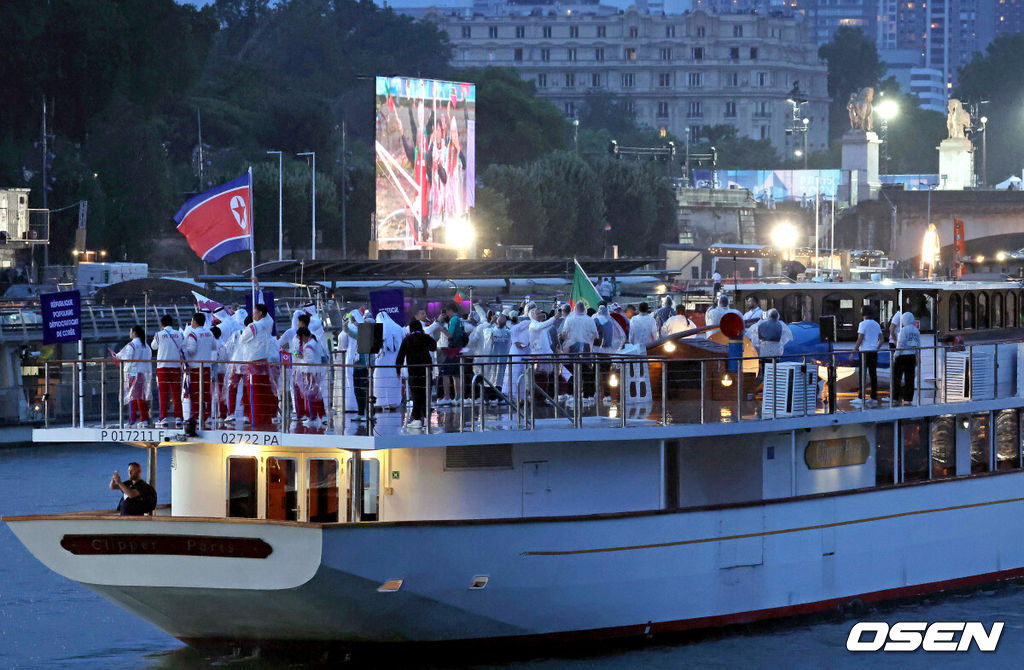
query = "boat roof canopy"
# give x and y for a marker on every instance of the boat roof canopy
(883, 285)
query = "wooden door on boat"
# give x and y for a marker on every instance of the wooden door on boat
(536, 488)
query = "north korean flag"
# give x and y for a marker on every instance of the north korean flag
(219, 221)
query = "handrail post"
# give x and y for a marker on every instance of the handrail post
(703, 379)
(664, 391)
(577, 394)
(919, 390)
(344, 394)
(970, 371)
(103, 393)
(286, 398)
(461, 393)
(46, 394)
(739, 389)
(995, 373)
(530, 398)
(201, 397)
(945, 370)
(428, 390)
(892, 375)
(556, 372)
(120, 398)
(74, 394)
(622, 393)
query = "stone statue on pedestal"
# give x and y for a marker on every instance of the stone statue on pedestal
(958, 120)
(860, 109)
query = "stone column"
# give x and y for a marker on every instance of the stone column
(860, 157)
(956, 164)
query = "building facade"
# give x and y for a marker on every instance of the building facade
(681, 73)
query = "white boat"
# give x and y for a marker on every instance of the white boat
(658, 513)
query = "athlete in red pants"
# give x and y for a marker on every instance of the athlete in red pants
(193, 376)
(168, 386)
(262, 402)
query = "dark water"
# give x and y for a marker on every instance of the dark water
(47, 621)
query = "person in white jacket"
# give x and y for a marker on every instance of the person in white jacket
(170, 358)
(643, 329)
(136, 356)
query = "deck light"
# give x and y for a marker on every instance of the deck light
(670, 346)
(613, 380)
(979, 259)
(1001, 256)
(726, 380)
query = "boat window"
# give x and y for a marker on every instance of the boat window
(1007, 440)
(979, 443)
(797, 307)
(968, 322)
(954, 312)
(882, 307)
(323, 490)
(282, 494)
(885, 445)
(1011, 310)
(914, 440)
(943, 434)
(842, 306)
(983, 310)
(922, 306)
(997, 310)
(242, 487)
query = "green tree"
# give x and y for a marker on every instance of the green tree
(853, 63)
(513, 125)
(993, 77)
(736, 152)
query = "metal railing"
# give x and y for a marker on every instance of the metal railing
(529, 392)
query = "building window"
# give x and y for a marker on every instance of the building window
(602, 31)
(730, 109)
(670, 31)
(595, 80)
(465, 54)
(492, 31)
(694, 132)
(695, 80)
(546, 31)
(570, 110)
(753, 53)
(572, 55)
(631, 108)
(734, 53)
(761, 108)
(634, 32)
(628, 80)
(542, 80)
(698, 53)
(664, 79)
(570, 80)
(520, 32)
(695, 110)
(762, 79)
(631, 53)
(666, 54)
(737, 31)
(700, 31)
(517, 54)
(490, 55)
(662, 109)
(732, 79)
(545, 55)
(574, 31)
(467, 32)
(599, 54)
(764, 132)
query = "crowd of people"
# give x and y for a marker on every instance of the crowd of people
(234, 373)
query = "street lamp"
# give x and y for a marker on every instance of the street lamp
(280, 217)
(576, 135)
(887, 109)
(313, 154)
(984, 151)
(784, 238)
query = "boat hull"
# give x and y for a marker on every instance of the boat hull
(560, 579)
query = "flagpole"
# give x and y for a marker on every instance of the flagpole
(252, 238)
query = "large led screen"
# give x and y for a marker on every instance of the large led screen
(425, 145)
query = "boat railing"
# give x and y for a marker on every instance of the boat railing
(522, 392)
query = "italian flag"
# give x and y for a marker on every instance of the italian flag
(583, 289)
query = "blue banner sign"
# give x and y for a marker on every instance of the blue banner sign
(62, 316)
(390, 301)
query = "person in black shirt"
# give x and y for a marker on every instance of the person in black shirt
(138, 497)
(415, 355)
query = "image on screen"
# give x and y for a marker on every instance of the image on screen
(425, 146)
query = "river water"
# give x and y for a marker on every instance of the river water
(47, 621)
